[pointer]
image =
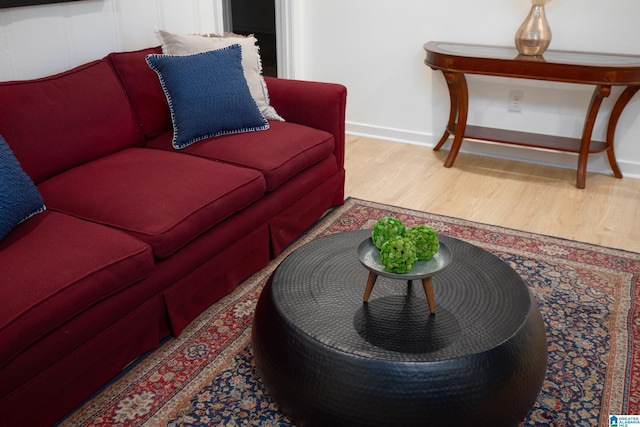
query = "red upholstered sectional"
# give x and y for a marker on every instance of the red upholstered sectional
(138, 238)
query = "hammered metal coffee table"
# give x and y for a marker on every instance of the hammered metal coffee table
(329, 359)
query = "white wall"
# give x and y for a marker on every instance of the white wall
(39, 40)
(374, 47)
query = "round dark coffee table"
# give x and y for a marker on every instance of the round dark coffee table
(330, 359)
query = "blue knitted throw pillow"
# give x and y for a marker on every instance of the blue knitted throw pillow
(208, 94)
(19, 197)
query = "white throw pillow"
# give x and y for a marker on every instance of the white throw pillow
(188, 44)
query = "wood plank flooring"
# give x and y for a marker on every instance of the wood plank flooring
(523, 196)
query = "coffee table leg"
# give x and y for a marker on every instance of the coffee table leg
(427, 284)
(370, 282)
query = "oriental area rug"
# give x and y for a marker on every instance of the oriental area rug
(587, 295)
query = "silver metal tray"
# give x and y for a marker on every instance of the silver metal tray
(369, 256)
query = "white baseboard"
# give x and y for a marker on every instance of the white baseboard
(597, 162)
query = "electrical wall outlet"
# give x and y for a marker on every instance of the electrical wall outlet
(515, 100)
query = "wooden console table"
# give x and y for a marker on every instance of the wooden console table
(602, 70)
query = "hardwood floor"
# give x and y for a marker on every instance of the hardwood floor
(523, 196)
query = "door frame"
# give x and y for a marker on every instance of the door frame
(285, 28)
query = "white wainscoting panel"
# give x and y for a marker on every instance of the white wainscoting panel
(37, 41)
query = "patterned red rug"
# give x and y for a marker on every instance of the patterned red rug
(587, 295)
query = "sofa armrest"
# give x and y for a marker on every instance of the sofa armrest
(315, 104)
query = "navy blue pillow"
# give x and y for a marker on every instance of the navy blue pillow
(208, 94)
(19, 197)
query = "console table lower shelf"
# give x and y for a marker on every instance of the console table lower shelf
(533, 140)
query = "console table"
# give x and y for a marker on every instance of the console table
(602, 70)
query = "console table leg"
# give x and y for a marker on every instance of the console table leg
(458, 90)
(453, 111)
(599, 93)
(370, 282)
(427, 284)
(619, 106)
(440, 143)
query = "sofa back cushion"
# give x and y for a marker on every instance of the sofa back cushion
(143, 87)
(55, 123)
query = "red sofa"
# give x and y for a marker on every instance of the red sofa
(138, 238)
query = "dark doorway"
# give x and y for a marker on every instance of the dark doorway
(257, 17)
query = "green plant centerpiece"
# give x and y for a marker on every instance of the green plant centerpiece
(398, 254)
(425, 239)
(385, 229)
(401, 247)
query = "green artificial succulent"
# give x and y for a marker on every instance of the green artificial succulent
(385, 229)
(425, 239)
(398, 255)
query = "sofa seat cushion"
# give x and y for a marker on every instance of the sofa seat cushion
(164, 198)
(54, 267)
(279, 153)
